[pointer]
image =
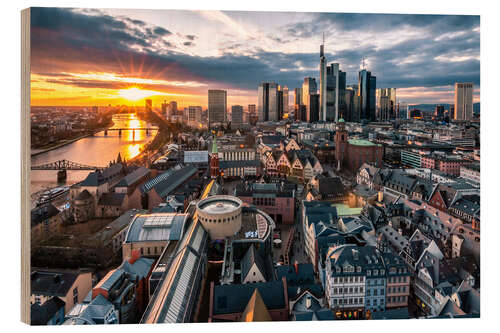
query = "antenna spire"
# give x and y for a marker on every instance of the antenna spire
(364, 65)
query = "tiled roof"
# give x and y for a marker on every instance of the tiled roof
(251, 257)
(99, 177)
(41, 314)
(233, 298)
(133, 177)
(52, 283)
(42, 213)
(169, 180)
(111, 199)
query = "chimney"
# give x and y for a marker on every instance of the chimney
(134, 256)
(296, 265)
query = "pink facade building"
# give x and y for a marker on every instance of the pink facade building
(275, 199)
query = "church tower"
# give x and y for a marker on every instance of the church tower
(340, 143)
(214, 160)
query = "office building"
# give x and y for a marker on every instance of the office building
(236, 116)
(268, 101)
(309, 87)
(298, 96)
(335, 93)
(280, 103)
(463, 101)
(313, 114)
(351, 103)
(366, 93)
(252, 114)
(194, 115)
(286, 100)
(217, 107)
(439, 112)
(164, 108)
(386, 104)
(149, 105)
(322, 82)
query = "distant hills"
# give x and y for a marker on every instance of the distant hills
(432, 107)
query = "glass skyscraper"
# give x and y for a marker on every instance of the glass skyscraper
(309, 88)
(366, 93)
(268, 101)
(217, 107)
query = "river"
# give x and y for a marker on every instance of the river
(97, 150)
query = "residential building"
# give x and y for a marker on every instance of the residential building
(69, 286)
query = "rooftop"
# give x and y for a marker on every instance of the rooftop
(361, 142)
(156, 227)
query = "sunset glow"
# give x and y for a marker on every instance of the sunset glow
(179, 57)
(135, 94)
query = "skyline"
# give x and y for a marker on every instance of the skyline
(93, 57)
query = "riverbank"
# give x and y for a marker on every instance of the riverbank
(35, 152)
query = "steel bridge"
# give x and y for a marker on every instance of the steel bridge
(65, 165)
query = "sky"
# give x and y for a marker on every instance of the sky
(121, 56)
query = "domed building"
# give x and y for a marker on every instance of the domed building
(241, 228)
(220, 215)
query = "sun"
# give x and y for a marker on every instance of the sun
(135, 94)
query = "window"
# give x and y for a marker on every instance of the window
(75, 295)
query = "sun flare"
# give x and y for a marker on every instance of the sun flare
(135, 94)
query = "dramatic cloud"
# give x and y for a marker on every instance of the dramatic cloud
(410, 52)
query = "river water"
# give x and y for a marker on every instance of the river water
(97, 150)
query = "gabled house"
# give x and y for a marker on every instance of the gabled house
(156, 190)
(252, 267)
(366, 174)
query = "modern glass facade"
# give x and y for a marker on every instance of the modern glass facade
(217, 107)
(268, 101)
(366, 93)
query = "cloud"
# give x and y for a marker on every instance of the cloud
(402, 50)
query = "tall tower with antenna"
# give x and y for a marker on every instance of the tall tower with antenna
(322, 81)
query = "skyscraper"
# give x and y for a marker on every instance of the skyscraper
(217, 107)
(322, 82)
(194, 114)
(309, 87)
(164, 108)
(298, 96)
(351, 104)
(252, 114)
(280, 103)
(366, 93)
(286, 100)
(386, 104)
(313, 114)
(236, 116)
(463, 101)
(149, 105)
(335, 92)
(439, 111)
(268, 101)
